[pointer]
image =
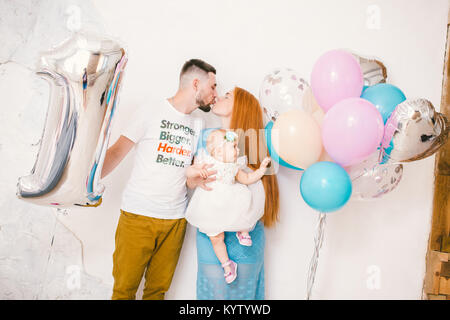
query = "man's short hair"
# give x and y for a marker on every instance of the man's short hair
(192, 68)
(196, 65)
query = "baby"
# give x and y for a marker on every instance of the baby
(226, 206)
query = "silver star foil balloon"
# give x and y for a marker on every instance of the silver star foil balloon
(84, 75)
(413, 132)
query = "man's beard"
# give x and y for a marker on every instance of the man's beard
(206, 108)
(202, 105)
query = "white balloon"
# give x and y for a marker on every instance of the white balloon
(283, 90)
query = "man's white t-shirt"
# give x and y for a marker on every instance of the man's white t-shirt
(166, 141)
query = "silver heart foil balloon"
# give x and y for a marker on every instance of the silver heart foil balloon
(373, 70)
(84, 75)
(371, 180)
(413, 132)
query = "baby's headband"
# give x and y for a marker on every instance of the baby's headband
(230, 136)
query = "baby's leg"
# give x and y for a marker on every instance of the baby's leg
(245, 233)
(244, 238)
(220, 249)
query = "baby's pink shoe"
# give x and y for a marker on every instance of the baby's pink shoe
(244, 240)
(230, 276)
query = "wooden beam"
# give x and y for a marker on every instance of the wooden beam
(445, 244)
(440, 227)
(433, 274)
(445, 269)
(436, 282)
(436, 297)
(444, 286)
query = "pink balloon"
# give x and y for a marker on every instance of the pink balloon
(352, 130)
(336, 75)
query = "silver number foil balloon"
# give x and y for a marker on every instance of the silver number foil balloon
(282, 90)
(414, 131)
(373, 70)
(372, 180)
(84, 74)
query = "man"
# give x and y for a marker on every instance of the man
(151, 226)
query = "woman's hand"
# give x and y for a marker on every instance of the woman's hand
(198, 175)
(199, 170)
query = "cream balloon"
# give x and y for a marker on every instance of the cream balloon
(310, 102)
(296, 137)
(318, 114)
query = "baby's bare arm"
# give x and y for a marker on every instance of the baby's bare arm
(251, 177)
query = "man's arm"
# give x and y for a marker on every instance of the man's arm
(115, 154)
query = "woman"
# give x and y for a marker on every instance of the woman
(240, 111)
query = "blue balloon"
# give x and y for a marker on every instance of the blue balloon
(364, 89)
(326, 186)
(273, 154)
(385, 97)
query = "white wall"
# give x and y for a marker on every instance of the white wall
(243, 40)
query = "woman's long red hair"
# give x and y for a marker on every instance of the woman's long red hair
(247, 117)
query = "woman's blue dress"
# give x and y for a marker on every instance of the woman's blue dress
(249, 284)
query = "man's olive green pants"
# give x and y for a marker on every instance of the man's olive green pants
(146, 245)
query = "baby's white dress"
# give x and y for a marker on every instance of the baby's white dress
(227, 206)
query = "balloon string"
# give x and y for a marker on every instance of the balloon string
(318, 239)
(50, 251)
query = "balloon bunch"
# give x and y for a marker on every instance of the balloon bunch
(363, 127)
(348, 130)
